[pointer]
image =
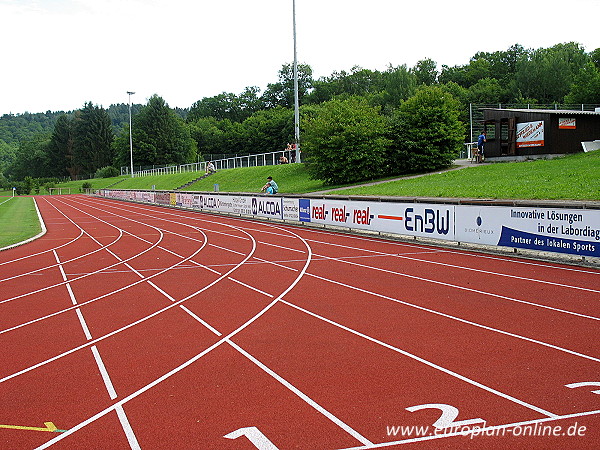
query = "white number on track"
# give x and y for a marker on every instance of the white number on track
(254, 435)
(449, 413)
(585, 383)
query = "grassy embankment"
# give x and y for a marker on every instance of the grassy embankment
(574, 177)
(18, 220)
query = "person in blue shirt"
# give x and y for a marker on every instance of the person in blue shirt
(481, 140)
(270, 187)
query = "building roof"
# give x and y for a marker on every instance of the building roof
(569, 112)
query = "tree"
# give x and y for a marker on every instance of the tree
(426, 132)
(487, 90)
(425, 72)
(358, 81)
(398, 85)
(548, 73)
(160, 137)
(268, 130)
(227, 106)
(92, 139)
(7, 154)
(595, 56)
(344, 141)
(60, 149)
(282, 92)
(31, 159)
(586, 86)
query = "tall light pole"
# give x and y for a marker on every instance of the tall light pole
(296, 100)
(130, 136)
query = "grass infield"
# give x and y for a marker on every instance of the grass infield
(18, 220)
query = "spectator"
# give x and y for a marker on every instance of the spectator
(283, 159)
(481, 140)
(210, 168)
(270, 187)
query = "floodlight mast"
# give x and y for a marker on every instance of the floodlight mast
(130, 136)
(296, 100)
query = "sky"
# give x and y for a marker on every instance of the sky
(59, 54)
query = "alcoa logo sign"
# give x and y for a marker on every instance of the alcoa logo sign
(266, 207)
(208, 202)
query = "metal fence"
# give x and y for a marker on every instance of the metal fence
(223, 161)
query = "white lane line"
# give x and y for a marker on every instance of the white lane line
(379, 239)
(425, 261)
(549, 414)
(252, 287)
(83, 276)
(104, 373)
(82, 321)
(470, 269)
(468, 322)
(189, 361)
(142, 280)
(84, 326)
(112, 393)
(164, 293)
(131, 438)
(464, 288)
(459, 319)
(348, 429)
(465, 253)
(424, 361)
(202, 321)
(82, 232)
(125, 327)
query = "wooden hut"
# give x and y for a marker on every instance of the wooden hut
(530, 133)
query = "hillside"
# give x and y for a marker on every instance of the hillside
(575, 177)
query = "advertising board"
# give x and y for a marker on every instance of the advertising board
(530, 134)
(570, 231)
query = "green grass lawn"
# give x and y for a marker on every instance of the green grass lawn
(76, 186)
(18, 220)
(291, 178)
(575, 177)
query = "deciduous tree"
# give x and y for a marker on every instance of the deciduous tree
(344, 141)
(426, 132)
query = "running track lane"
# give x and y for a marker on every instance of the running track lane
(132, 326)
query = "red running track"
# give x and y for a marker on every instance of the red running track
(133, 326)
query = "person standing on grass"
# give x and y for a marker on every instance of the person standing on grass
(270, 187)
(481, 140)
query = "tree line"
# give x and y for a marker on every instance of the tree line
(400, 119)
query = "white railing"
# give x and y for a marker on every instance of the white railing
(261, 159)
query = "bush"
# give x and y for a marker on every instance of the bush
(344, 141)
(426, 132)
(86, 186)
(107, 172)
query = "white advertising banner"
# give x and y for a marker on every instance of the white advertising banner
(530, 134)
(573, 231)
(415, 219)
